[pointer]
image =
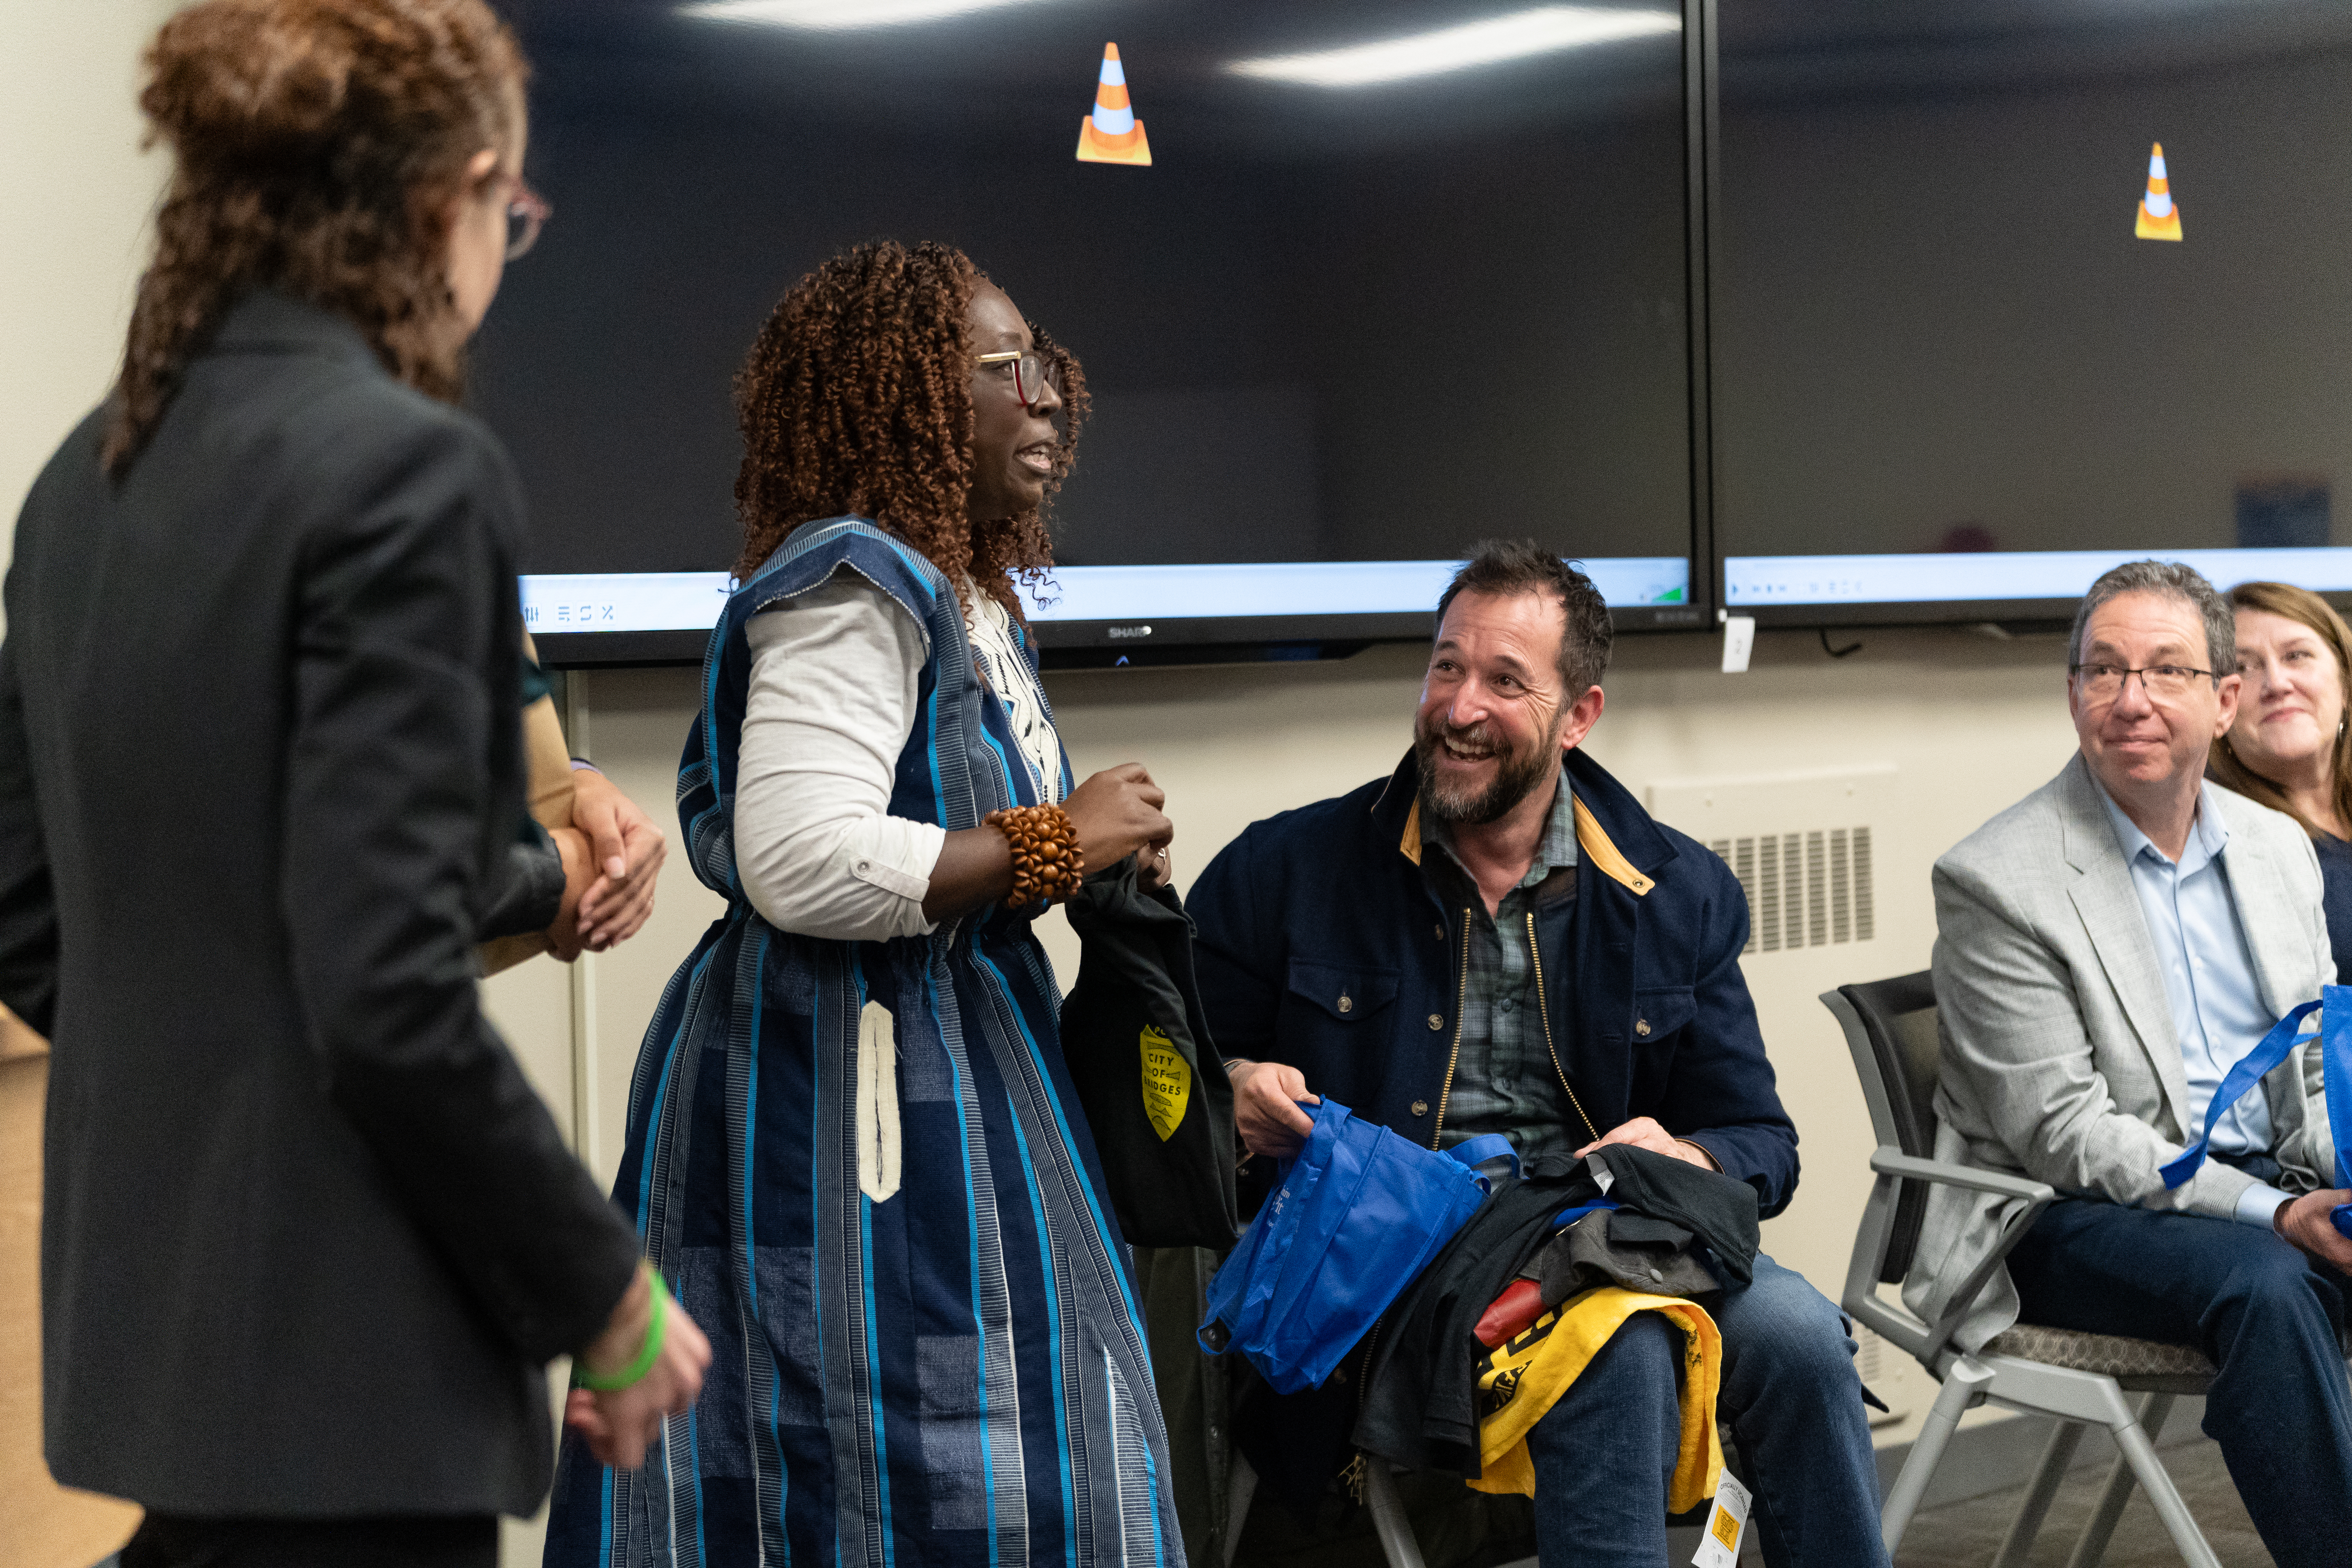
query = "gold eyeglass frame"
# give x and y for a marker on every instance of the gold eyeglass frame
(1013, 358)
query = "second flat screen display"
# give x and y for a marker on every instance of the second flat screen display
(2009, 293)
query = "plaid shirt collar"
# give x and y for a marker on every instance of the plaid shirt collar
(1556, 851)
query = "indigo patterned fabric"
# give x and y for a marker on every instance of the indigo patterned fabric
(953, 1373)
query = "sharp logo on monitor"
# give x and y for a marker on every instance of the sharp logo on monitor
(1131, 631)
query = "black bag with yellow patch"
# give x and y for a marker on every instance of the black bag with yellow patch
(1152, 1084)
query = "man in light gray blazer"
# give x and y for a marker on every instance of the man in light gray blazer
(2105, 950)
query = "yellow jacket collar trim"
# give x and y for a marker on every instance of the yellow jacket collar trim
(1605, 857)
(1590, 838)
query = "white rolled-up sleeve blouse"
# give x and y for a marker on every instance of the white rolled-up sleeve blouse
(835, 677)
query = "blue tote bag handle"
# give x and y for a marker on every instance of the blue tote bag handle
(2275, 1048)
(2335, 1059)
(2335, 1056)
(1476, 1151)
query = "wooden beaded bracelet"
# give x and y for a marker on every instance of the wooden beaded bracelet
(1047, 863)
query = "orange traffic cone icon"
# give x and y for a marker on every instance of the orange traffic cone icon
(2159, 218)
(1112, 134)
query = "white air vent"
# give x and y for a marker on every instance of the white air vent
(1801, 845)
(1804, 889)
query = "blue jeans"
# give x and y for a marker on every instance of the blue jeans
(1602, 1456)
(2268, 1317)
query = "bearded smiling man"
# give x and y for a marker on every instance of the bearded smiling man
(1498, 939)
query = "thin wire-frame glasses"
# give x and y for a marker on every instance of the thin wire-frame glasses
(2163, 682)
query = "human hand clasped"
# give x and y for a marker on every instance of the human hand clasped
(1116, 814)
(621, 1420)
(626, 849)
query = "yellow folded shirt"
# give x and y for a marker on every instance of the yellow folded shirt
(1524, 1378)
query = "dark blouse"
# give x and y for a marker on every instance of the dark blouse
(2335, 898)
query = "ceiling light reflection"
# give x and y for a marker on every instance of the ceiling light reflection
(1513, 37)
(839, 16)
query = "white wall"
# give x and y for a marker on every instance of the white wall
(73, 216)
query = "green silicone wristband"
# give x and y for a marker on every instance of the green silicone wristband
(636, 1371)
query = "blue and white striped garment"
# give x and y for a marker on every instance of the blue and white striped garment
(953, 1372)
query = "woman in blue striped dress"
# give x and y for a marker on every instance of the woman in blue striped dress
(853, 1143)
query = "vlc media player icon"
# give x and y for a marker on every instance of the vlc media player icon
(2159, 218)
(1112, 134)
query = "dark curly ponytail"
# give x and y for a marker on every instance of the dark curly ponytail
(314, 142)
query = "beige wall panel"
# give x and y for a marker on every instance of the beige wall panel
(633, 723)
(531, 1004)
(73, 217)
(47, 1526)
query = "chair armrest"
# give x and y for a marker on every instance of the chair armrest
(1887, 1162)
(1926, 1341)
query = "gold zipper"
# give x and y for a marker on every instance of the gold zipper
(1354, 1474)
(1543, 1009)
(1461, 995)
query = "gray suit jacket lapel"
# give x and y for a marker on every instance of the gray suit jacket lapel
(2109, 906)
(2259, 894)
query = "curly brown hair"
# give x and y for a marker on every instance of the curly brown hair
(314, 142)
(857, 401)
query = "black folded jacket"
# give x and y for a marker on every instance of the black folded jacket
(1420, 1394)
(1149, 1077)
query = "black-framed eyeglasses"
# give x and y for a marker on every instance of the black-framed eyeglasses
(1034, 374)
(2163, 682)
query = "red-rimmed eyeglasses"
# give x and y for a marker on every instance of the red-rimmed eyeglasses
(1034, 374)
(527, 214)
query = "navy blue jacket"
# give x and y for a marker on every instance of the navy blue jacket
(1323, 945)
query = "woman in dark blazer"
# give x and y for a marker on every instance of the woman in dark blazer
(308, 1234)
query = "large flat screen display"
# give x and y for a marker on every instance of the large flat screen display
(1397, 277)
(2007, 293)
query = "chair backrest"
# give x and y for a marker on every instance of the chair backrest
(1896, 1059)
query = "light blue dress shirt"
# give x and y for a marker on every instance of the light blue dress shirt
(2209, 978)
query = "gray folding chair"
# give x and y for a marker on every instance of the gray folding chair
(2079, 1378)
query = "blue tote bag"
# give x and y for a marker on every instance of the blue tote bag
(1360, 1214)
(2335, 1009)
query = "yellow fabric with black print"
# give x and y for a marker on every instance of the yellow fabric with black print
(1525, 1377)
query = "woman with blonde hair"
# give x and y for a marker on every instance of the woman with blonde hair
(2291, 746)
(310, 1237)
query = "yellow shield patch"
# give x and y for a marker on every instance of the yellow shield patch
(1167, 1082)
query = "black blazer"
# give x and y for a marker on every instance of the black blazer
(308, 1234)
